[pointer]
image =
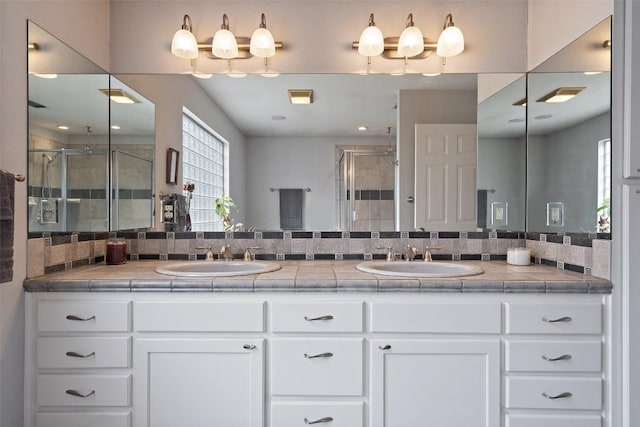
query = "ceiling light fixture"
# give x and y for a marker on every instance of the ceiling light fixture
(411, 44)
(224, 44)
(184, 44)
(562, 94)
(301, 96)
(120, 96)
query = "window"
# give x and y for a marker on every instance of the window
(604, 182)
(203, 164)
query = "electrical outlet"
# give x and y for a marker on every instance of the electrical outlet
(555, 214)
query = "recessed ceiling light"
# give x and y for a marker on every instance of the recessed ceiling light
(516, 120)
(543, 117)
(63, 127)
(115, 127)
(120, 96)
(562, 94)
(362, 128)
(278, 118)
(301, 96)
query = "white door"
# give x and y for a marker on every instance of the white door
(445, 186)
(198, 382)
(439, 383)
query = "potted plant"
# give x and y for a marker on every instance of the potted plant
(223, 207)
(604, 213)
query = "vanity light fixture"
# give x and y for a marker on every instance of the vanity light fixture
(120, 96)
(562, 94)
(262, 43)
(224, 44)
(451, 40)
(411, 44)
(301, 96)
(184, 44)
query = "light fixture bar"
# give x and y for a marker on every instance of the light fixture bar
(562, 94)
(391, 48)
(244, 44)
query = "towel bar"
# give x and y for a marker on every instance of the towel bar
(308, 190)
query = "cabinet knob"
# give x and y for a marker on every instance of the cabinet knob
(311, 319)
(318, 421)
(306, 356)
(554, 359)
(249, 347)
(384, 347)
(80, 319)
(78, 394)
(82, 356)
(559, 319)
(557, 396)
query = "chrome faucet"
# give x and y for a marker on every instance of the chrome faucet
(410, 253)
(209, 255)
(248, 256)
(427, 253)
(225, 253)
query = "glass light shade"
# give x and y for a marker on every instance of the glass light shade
(411, 42)
(224, 44)
(371, 42)
(450, 42)
(184, 45)
(262, 43)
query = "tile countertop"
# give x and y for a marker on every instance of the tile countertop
(317, 276)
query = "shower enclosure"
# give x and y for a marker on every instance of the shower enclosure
(68, 190)
(365, 188)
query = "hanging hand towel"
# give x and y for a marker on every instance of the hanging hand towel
(291, 208)
(7, 199)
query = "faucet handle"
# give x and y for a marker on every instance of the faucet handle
(209, 249)
(248, 256)
(427, 252)
(391, 256)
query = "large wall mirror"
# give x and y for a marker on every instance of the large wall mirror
(91, 144)
(569, 138)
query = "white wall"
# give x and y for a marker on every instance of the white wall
(424, 106)
(170, 93)
(84, 25)
(145, 28)
(295, 162)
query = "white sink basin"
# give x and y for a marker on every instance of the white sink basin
(217, 268)
(419, 269)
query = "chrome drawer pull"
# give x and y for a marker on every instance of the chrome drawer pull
(557, 396)
(311, 319)
(321, 420)
(560, 319)
(249, 347)
(82, 356)
(384, 347)
(78, 394)
(554, 359)
(80, 319)
(306, 356)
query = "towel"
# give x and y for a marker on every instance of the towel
(291, 208)
(7, 200)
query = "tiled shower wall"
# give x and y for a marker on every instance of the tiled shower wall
(48, 254)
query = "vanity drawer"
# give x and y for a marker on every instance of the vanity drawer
(538, 356)
(520, 420)
(554, 318)
(317, 317)
(199, 316)
(331, 367)
(436, 317)
(84, 352)
(527, 393)
(66, 419)
(334, 414)
(84, 316)
(100, 390)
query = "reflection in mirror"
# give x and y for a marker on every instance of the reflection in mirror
(568, 138)
(502, 156)
(69, 134)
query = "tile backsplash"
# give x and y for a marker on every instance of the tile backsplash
(50, 253)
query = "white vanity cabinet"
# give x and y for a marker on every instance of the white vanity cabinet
(154, 359)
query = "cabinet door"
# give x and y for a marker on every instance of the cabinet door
(198, 382)
(417, 383)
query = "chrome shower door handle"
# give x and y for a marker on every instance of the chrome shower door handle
(315, 356)
(319, 421)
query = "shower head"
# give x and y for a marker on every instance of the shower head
(49, 158)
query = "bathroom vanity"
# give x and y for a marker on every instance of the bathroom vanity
(317, 343)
